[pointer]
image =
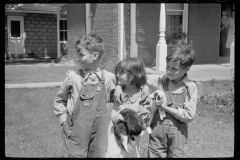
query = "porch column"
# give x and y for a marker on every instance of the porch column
(161, 53)
(58, 36)
(88, 18)
(133, 46)
(121, 30)
(232, 54)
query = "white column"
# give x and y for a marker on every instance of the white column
(232, 54)
(58, 36)
(121, 30)
(88, 18)
(161, 53)
(133, 45)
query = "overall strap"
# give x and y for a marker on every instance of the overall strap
(102, 79)
(188, 93)
(103, 76)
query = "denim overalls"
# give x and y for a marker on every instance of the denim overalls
(85, 132)
(169, 135)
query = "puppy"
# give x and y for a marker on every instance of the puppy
(157, 98)
(132, 126)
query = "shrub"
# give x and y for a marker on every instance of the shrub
(221, 99)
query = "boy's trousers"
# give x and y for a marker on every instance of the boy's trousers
(168, 139)
(85, 131)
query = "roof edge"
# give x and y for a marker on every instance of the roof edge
(19, 11)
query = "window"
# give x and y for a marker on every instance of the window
(63, 30)
(176, 23)
(15, 29)
(63, 36)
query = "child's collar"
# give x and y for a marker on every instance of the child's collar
(87, 72)
(184, 80)
(166, 80)
(132, 98)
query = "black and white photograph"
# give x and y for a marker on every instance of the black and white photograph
(119, 80)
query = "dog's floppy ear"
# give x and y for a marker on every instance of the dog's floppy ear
(136, 127)
(124, 112)
(121, 134)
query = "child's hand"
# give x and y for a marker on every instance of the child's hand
(130, 149)
(118, 94)
(145, 93)
(149, 130)
(117, 118)
(145, 100)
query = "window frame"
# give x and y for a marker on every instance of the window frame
(62, 19)
(184, 16)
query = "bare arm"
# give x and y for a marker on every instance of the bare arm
(118, 94)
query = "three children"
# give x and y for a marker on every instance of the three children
(81, 103)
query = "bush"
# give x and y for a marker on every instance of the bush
(221, 99)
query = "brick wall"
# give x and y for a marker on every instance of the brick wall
(41, 30)
(204, 30)
(106, 25)
(147, 30)
(76, 25)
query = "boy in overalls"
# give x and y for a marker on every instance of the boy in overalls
(81, 102)
(169, 136)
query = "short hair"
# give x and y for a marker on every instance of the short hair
(132, 67)
(92, 42)
(185, 54)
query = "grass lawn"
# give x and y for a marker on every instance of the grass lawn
(32, 130)
(35, 73)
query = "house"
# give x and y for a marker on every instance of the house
(31, 30)
(128, 29)
(133, 29)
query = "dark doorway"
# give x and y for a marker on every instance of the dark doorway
(227, 29)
